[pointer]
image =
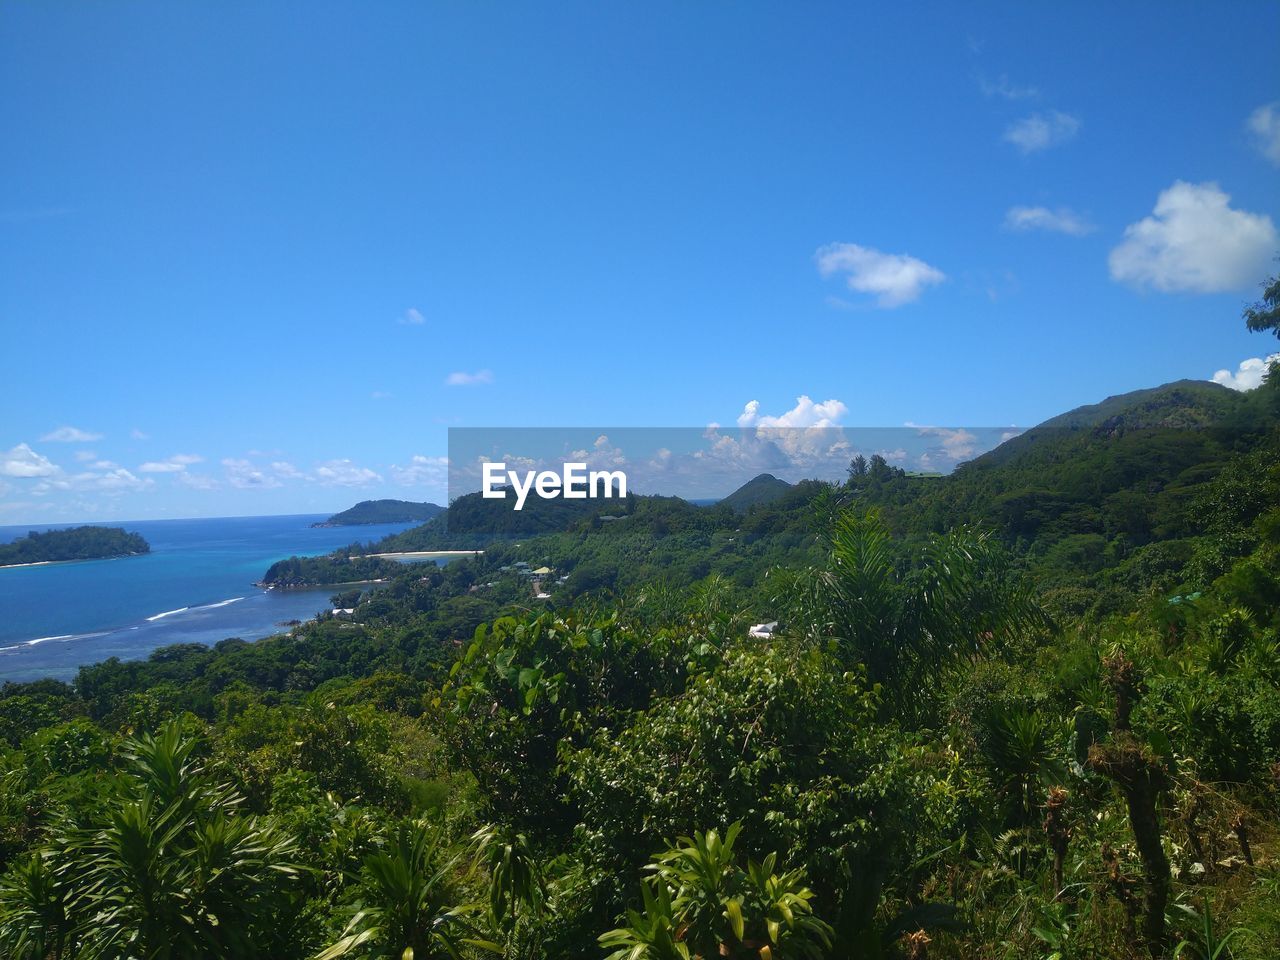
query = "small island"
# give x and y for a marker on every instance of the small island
(77, 543)
(382, 511)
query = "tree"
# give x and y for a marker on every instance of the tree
(907, 627)
(701, 903)
(1265, 314)
(168, 868)
(408, 905)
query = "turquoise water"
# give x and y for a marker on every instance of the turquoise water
(196, 586)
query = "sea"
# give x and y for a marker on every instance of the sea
(195, 586)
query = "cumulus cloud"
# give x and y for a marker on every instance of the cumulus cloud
(1040, 131)
(957, 444)
(70, 435)
(283, 468)
(1249, 375)
(175, 464)
(243, 475)
(22, 461)
(344, 473)
(1195, 242)
(1264, 126)
(460, 378)
(412, 317)
(422, 472)
(1062, 220)
(893, 278)
(136, 434)
(805, 413)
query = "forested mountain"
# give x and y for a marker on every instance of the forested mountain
(382, 511)
(1029, 709)
(77, 543)
(761, 489)
(472, 520)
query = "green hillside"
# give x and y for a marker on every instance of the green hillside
(1028, 709)
(762, 489)
(382, 511)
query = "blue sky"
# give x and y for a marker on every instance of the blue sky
(256, 258)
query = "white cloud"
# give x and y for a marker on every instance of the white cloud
(117, 480)
(70, 435)
(1062, 220)
(84, 456)
(957, 444)
(1002, 87)
(175, 464)
(893, 278)
(136, 434)
(805, 413)
(344, 473)
(422, 472)
(283, 468)
(1040, 131)
(110, 478)
(22, 461)
(461, 378)
(1250, 374)
(1264, 125)
(412, 317)
(243, 475)
(1195, 242)
(197, 481)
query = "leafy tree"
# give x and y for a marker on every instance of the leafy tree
(1265, 314)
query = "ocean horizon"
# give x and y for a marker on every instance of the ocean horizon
(197, 585)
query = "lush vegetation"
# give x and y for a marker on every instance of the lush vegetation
(78, 543)
(383, 511)
(331, 569)
(976, 735)
(761, 489)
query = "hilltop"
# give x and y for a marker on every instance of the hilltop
(764, 488)
(383, 511)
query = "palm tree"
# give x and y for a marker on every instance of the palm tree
(701, 904)
(168, 868)
(906, 625)
(33, 912)
(515, 878)
(1019, 748)
(409, 908)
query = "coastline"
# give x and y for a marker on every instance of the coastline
(47, 563)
